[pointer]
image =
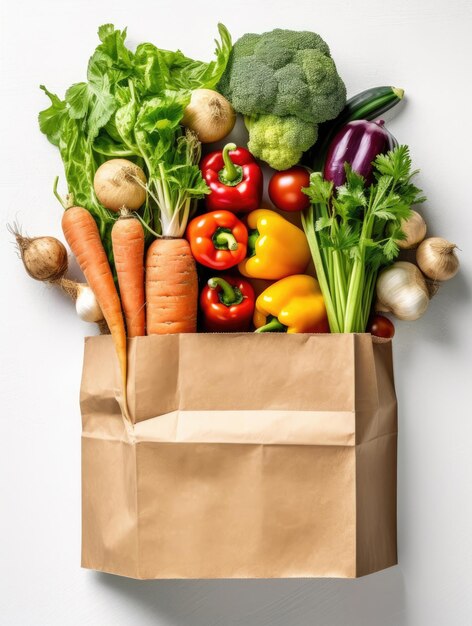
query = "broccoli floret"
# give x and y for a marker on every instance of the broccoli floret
(280, 141)
(284, 72)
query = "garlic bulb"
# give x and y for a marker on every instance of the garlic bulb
(415, 230)
(87, 306)
(436, 258)
(402, 290)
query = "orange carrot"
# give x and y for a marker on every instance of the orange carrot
(171, 288)
(127, 237)
(81, 233)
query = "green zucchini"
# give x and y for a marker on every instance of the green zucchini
(367, 105)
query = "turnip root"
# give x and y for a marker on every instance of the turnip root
(44, 258)
(120, 183)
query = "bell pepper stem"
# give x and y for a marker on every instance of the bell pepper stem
(251, 242)
(231, 174)
(228, 295)
(226, 239)
(272, 326)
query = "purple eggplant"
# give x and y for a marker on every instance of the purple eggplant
(357, 143)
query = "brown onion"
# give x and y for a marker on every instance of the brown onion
(209, 115)
(437, 259)
(414, 229)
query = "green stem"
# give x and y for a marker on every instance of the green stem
(398, 92)
(185, 216)
(309, 228)
(340, 285)
(226, 240)
(167, 209)
(231, 174)
(368, 297)
(325, 252)
(355, 291)
(272, 326)
(354, 287)
(57, 194)
(228, 294)
(146, 225)
(251, 242)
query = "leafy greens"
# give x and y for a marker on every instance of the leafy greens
(131, 106)
(353, 232)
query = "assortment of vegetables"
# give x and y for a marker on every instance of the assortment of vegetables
(152, 224)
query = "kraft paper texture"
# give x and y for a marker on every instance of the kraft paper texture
(246, 456)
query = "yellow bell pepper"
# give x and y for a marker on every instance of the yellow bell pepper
(278, 247)
(293, 305)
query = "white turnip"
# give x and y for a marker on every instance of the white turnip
(120, 183)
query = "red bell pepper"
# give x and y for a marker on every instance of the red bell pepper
(217, 240)
(227, 304)
(235, 180)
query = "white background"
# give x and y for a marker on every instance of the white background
(424, 46)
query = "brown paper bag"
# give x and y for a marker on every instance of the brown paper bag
(247, 456)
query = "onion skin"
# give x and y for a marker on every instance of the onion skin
(116, 186)
(210, 115)
(357, 143)
(44, 258)
(436, 259)
(415, 230)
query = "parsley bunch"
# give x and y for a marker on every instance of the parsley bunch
(353, 231)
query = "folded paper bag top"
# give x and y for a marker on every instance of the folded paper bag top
(247, 456)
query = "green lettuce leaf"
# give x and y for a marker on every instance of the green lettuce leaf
(52, 118)
(131, 106)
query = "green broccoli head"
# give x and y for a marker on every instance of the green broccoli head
(280, 141)
(284, 72)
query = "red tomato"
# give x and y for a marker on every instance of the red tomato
(285, 189)
(381, 326)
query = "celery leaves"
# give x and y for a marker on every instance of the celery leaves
(353, 232)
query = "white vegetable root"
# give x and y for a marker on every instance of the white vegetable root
(120, 183)
(209, 115)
